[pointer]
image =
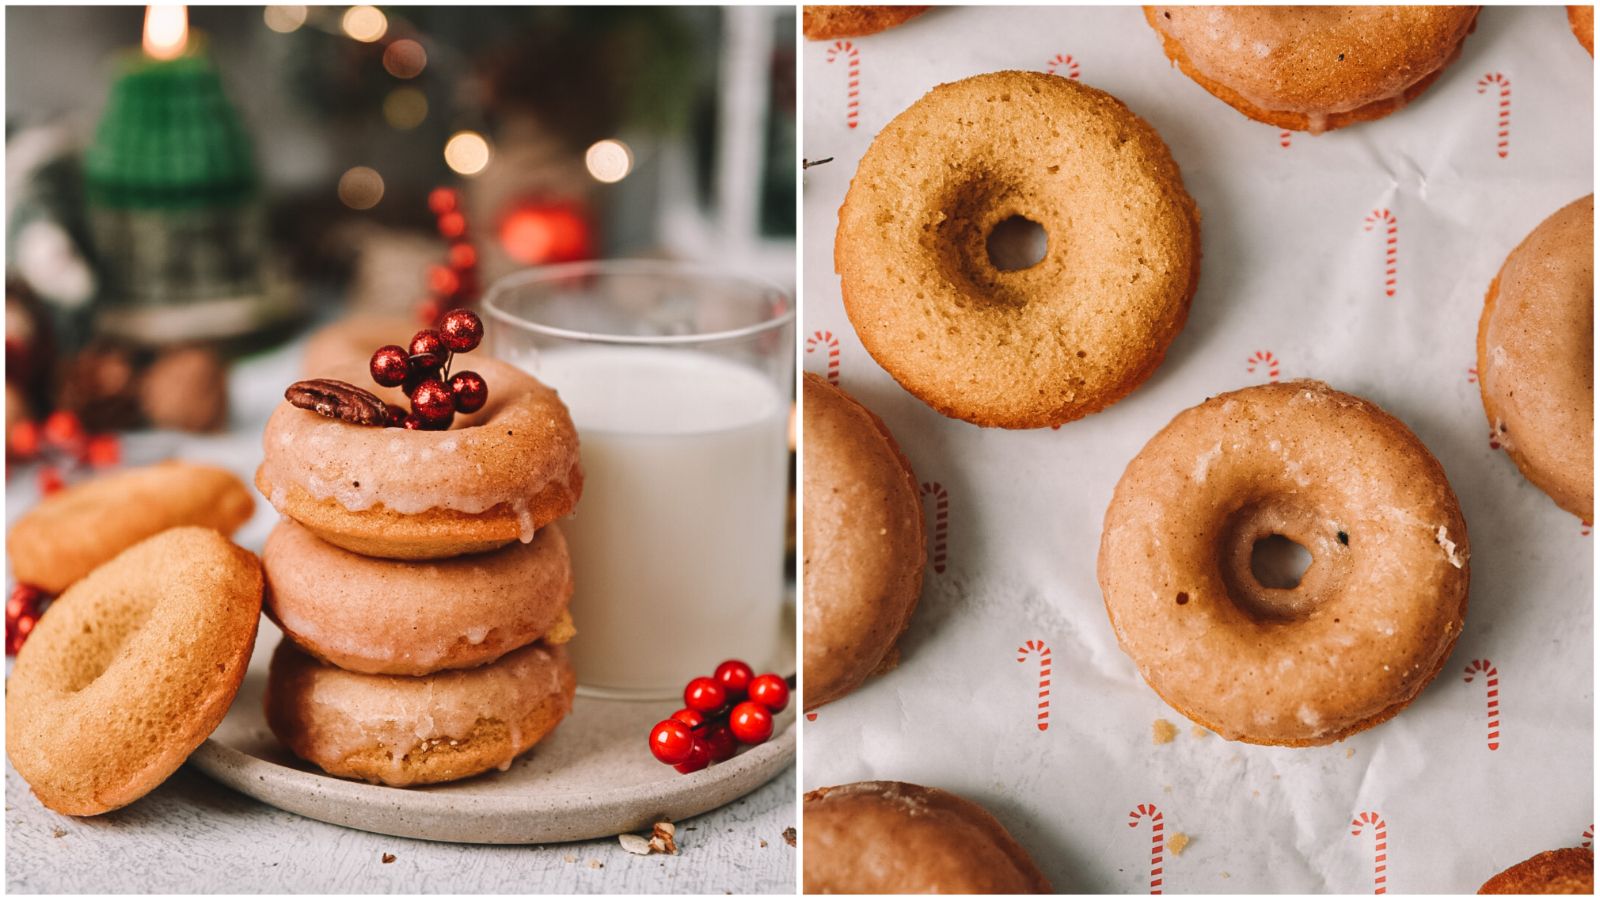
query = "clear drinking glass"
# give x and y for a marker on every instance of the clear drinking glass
(680, 380)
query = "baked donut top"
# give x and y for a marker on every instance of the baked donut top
(824, 23)
(1536, 349)
(864, 545)
(899, 838)
(1565, 871)
(1316, 60)
(506, 453)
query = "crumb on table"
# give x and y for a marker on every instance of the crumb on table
(1200, 732)
(1177, 843)
(1162, 732)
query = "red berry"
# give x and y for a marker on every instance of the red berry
(433, 401)
(751, 723)
(23, 442)
(397, 415)
(470, 390)
(452, 225)
(17, 632)
(735, 677)
(24, 599)
(461, 330)
(63, 429)
(694, 719)
(719, 740)
(413, 422)
(463, 256)
(427, 350)
(390, 365)
(443, 281)
(102, 450)
(699, 758)
(671, 741)
(443, 200)
(50, 480)
(705, 695)
(770, 691)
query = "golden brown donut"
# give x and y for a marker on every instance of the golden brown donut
(864, 549)
(902, 839)
(824, 23)
(494, 477)
(1581, 18)
(1536, 356)
(1313, 68)
(1372, 619)
(70, 533)
(1565, 871)
(1021, 348)
(129, 670)
(411, 618)
(416, 730)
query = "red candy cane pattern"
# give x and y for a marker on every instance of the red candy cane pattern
(1503, 132)
(1492, 678)
(1472, 375)
(1064, 62)
(1044, 678)
(1157, 841)
(1283, 137)
(826, 339)
(941, 522)
(852, 55)
(1390, 237)
(1263, 358)
(1586, 525)
(1380, 853)
(1588, 836)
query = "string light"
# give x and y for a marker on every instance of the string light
(405, 58)
(466, 153)
(364, 23)
(166, 30)
(405, 108)
(609, 161)
(360, 188)
(284, 19)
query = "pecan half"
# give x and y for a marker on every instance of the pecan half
(338, 400)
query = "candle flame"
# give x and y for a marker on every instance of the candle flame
(166, 30)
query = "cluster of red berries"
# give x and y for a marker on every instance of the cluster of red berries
(23, 609)
(422, 371)
(61, 443)
(455, 282)
(733, 706)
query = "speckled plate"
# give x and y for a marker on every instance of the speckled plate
(593, 777)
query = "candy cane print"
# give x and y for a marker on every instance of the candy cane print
(1283, 138)
(826, 339)
(1391, 227)
(1157, 841)
(852, 55)
(1064, 62)
(1586, 526)
(1380, 853)
(1044, 678)
(1472, 375)
(1588, 836)
(1492, 677)
(941, 521)
(1266, 359)
(1503, 133)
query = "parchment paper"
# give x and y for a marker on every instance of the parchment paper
(1288, 270)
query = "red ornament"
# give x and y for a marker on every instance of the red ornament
(533, 233)
(461, 330)
(470, 390)
(102, 450)
(18, 631)
(50, 480)
(694, 719)
(770, 691)
(751, 723)
(699, 758)
(705, 695)
(671, 741)
(452, 225)
(463, 256)
(735, 676)
(443, 281)
(434, 404)
(390, 365)
(24, 598)
(719, 741)
(443, 200)
(427, 350)
(24, 441)
(63, 429)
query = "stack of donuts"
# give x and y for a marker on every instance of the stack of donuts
(421, 584)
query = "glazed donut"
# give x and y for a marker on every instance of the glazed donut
(1581, 18)
(824, 23)
(416, 730)
(899, 838)
(1536, 357)
(1566, 871)
(400, 617)
(73, 531)
(1371, 620)
(495, 477)
(129, 670)
(1313, 68)
(864, 543)
(352, 338)
(1030, 347)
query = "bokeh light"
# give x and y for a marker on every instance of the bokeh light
(364, 23)
(533, 233)
(609, 161)
(405, 108)
(360, 188)
(466, 153)
(284, 19)
(166, 30)
(405, 58)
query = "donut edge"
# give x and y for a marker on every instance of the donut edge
(858, 22)
(1571, 869)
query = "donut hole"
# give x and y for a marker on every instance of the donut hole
(1279, 562)
(1016, 243)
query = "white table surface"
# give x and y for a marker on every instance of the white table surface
(193, 835)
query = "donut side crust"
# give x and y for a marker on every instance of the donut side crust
(825, 23)
(1565, 871)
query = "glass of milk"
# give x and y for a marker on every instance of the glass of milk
(680, 380)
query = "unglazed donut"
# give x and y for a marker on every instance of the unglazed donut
(415, 730)
(1536, 357)
(864, 550)
(824, 23)
(899, 838)
(1020, 348)
(401, 617)
(1566, 871)
(1581, 18)
(71, 532)
(1370, 622)
(1313, 68)
(495, 477)
(129, 670)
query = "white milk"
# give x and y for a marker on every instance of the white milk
(677, 544)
